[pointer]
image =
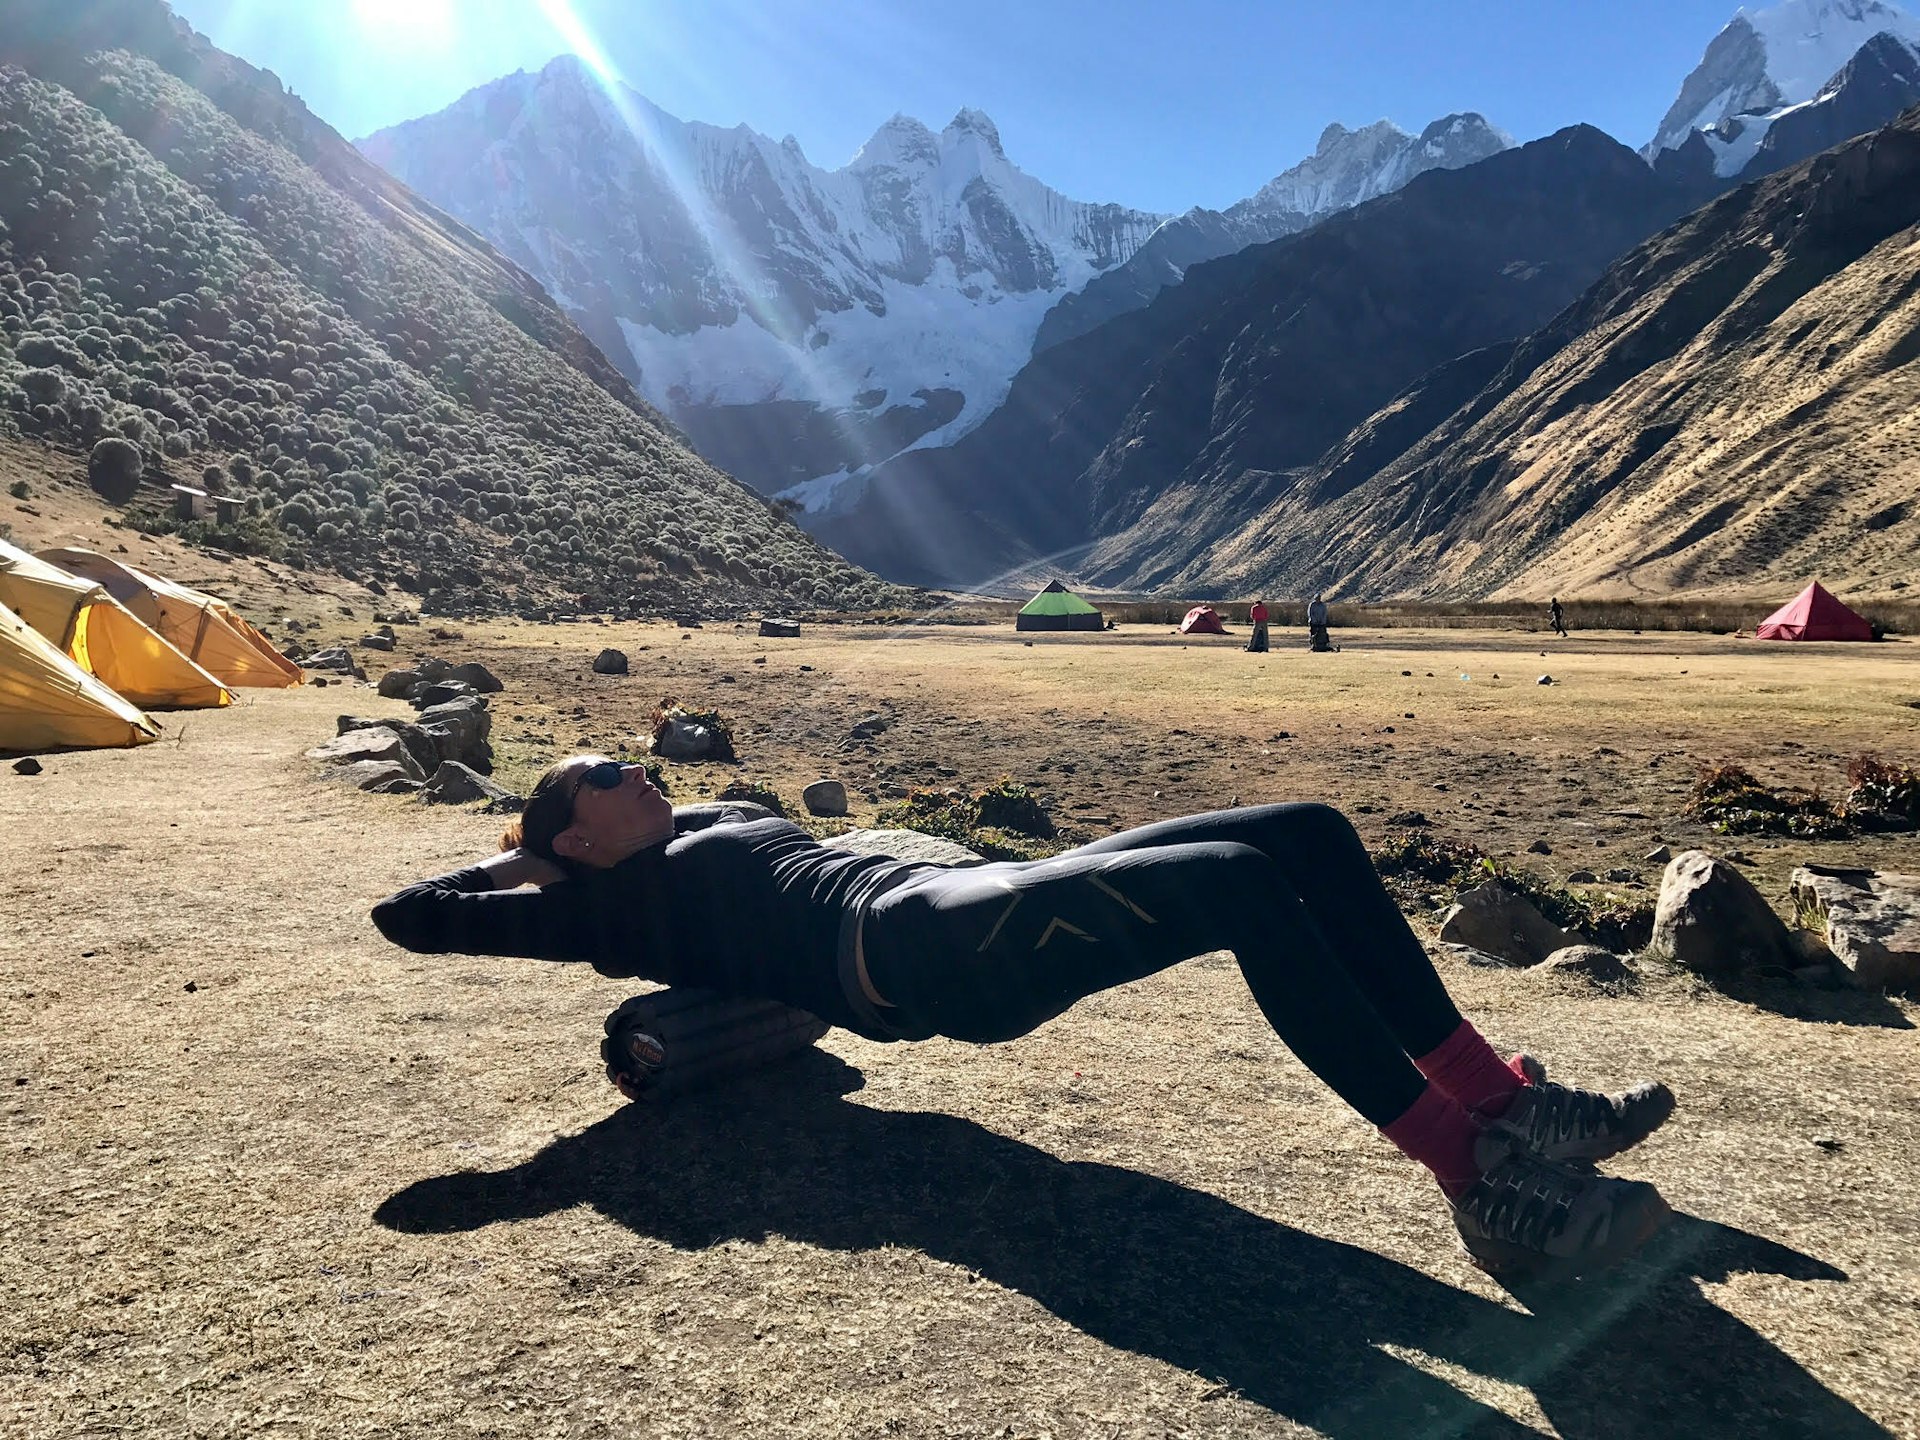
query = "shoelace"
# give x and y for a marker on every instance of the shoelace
(1524, 1201)
(1557, 1112)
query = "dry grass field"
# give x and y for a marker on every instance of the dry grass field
(265, 1175)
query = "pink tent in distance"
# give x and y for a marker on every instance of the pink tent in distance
(1814, 614)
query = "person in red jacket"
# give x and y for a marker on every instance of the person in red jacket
(1258, 615)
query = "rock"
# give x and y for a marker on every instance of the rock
(1621, 876)
(1582, 877)
(1478, 957)
(1710, 919)
(825, 797)
(1590, 962)
(432, 668)
(398, 684)
(1409, 820)
(1659, 855)
(868, 726)
(376, 642)
(1872, 920)
(610, 662)
(1543, 680)
(459, 730)
(424, 748)
(338, 659)
(780, 629)
(906, 845)
(683, 740)
(27, 766)
(374, 742)
(457, 784)
(375, 775)
(1539, 847)
(483, 680)
(438, 692)
(1492, 918)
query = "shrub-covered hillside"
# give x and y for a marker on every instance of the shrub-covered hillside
(333, 354)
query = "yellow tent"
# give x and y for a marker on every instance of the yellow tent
(102, 636)
(202, 627)
(47, 702)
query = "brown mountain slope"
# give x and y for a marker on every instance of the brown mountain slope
(1732, 407)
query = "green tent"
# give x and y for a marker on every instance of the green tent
(1058, 608)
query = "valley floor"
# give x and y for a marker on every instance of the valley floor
(264, 1174)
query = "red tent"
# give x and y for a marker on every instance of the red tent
(1814, 614)
(1202, 620)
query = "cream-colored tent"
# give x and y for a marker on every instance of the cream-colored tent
(202, 627)
(48, 703)
(102, 636)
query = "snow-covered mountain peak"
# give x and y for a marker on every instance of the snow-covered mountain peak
(1768, 59)
(975, 122)
(903, 140)
(1349, 167)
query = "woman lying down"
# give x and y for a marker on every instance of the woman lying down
(756, 908)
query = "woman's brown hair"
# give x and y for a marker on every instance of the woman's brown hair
(544, 815)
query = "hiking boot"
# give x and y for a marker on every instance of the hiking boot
(1559, 1123)
(1527, 1218)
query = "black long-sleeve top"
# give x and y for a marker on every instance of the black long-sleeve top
(748, 907)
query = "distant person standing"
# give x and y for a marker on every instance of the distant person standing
(1317, 637)
(1557, 617)
(1258, 615)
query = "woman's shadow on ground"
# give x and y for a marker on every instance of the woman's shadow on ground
(1285, 1319)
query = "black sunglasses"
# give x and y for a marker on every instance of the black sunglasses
(606, 775)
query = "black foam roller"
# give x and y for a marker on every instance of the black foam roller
(677, 1040)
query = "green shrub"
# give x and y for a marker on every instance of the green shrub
(114, 467)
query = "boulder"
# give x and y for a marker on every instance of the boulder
(825, 797)
(1659, 855)
(457, 784)
(460, 729)
(432, 668)
(398, 684)
(1872, 920)
(27, 766)
(906, 845)
(868, 726)
(338, 658)
(438, 692)
(1589, 962)
(379, 776)
(376, 642)
(780, 629)
(683, 740)
(473, 673)
(1710, 919)
(1492, 918)
(610, 662)
(424, 749)
(376, 742)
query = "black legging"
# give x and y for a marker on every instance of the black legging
(987, 954)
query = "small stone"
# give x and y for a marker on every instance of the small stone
(1582, 877)
(825, 797)
(27, 766)
(1828, 1143)
(190, 987)
(806, 667)
(1621, 876)
(1543, 680)
(1659, 855)
(1539, 847)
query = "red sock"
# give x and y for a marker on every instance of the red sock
(1438, 1133)
(1466, 1067)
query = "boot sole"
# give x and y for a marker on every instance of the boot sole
(1515, 1264)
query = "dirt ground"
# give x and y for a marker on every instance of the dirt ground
(265, 1175)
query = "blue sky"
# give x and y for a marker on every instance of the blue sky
(1160, 104)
